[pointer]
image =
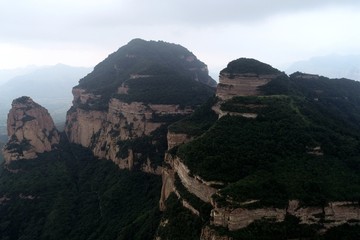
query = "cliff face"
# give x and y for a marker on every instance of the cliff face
(104, 131)
(31, 130)
(120, 110)
(194, 184)
(231, 85)
(243, 77)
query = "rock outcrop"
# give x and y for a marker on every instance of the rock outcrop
(194, 184)
(31, 130)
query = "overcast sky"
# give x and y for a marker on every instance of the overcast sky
(84, 32)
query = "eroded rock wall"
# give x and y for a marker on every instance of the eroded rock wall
(193, 184)
(231, 85)
(103, 131)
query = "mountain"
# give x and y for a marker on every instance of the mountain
(49, 86)
(272, 157)
(7, 74)
(71, 194)
(334, 66)
(121, 109)
(269, 156)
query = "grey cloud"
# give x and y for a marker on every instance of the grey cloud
(206, 12)
(88, 21)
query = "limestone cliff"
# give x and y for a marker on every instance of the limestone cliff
(31, 130)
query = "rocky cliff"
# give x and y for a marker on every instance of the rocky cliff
(121, 110)
(243, 77)
(31, 130)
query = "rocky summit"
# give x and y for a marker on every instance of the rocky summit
(31, 130)
(132, 96)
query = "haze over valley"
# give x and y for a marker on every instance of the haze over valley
(50, 86)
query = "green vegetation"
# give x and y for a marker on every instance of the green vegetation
(203, 207)
(71, 195)
(303, 145)
(343, 232)
(198, 122)
(166, 73)
(249, 65)
(150, 147)
(178, 223)
(166, 89)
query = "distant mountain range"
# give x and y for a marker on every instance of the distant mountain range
(50, 86)
(7, 74)
(333, 66)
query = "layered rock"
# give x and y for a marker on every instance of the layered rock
(243, 77)
(31, 130)
(334, 214)
(231, 85)
(194, 184)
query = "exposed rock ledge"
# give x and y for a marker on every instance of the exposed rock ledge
(221, 113)
(241, 84)
(31, 130)
(194, 185)
(210, 234)
(176, 139)
(336, 213)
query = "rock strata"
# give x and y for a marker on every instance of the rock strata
(232, 85)
(334, 214)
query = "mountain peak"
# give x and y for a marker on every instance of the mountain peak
(24, 100)
(157, 59)
(249, 65)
